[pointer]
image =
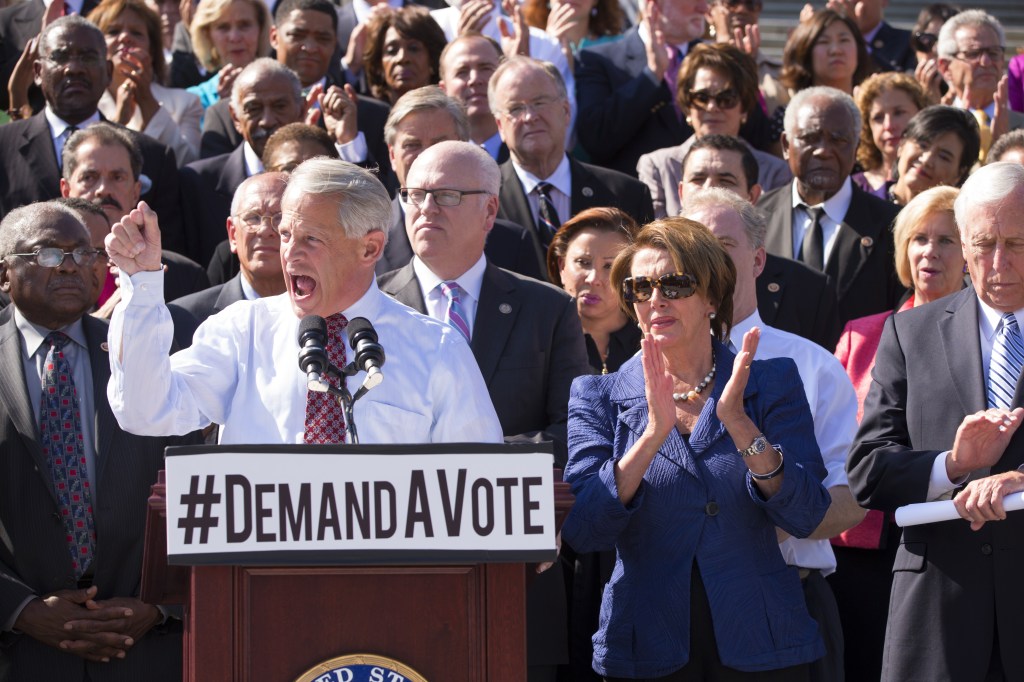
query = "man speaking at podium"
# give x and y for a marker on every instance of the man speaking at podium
(242, 370)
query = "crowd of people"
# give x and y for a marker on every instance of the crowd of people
(753, 305)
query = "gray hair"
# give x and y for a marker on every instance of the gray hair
(106, 135)
(259, 70)
(22, 222)
(72, 21)
(363, 204)
(465, 153)
(755, 221)
(427, 98)
(946, 48)
(522, 63)
(1006, 142)
(277, 178)
(988, 185)
(832, 96)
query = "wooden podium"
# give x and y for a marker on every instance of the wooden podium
(457, 622)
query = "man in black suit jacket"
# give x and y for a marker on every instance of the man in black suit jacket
(467, 64)
(50, 631)
(532, 111)
(852, 240)
(525, 334)
(30, 167)
(419, 119)
(889, 46)
(934, 420)
(252, 236)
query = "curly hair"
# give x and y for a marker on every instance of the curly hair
(412, 23)
(868, 155)
(797, 55)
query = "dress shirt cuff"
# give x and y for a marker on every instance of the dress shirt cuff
(355, 151)
(939, 485)
(9, 625)
(145, 286)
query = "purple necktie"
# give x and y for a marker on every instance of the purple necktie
(325, 418)
(456, 314)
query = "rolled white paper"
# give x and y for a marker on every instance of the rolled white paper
(945, 510)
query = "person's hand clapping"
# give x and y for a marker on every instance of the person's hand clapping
(658, 389)
(730, 405)
(134, 241)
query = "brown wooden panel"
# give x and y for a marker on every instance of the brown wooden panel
(506, 625)
(210, 644)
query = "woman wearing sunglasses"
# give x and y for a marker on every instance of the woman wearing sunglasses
(717, 92)
(685, 462)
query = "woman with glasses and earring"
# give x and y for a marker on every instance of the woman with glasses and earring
(685, 462)
(717, 92)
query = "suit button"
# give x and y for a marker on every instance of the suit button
(986, 549)
(711, 509)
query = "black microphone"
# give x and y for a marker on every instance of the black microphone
(313, 354)
(369, 354)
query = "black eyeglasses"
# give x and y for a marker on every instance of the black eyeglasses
(724, 99)
(52, 257)
(994, 54)
(673, 285)
(923, 41)
(442, 197)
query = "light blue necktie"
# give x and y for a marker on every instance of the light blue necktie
(456, 314)
(1007, 360)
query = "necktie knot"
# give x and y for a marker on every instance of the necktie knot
(57, 340)
(336, 323)
(451, 291)
(1006, 363)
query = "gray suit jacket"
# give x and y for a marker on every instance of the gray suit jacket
(954, 589)
(33, 551)
(861, 263)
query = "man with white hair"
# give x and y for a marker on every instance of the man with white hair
(972, 60)
(740, 227)
(823, 219)
(332, 231)
(940, 421)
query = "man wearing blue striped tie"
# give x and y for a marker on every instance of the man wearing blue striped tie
(941, 421)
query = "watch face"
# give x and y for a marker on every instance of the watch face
(760, 445)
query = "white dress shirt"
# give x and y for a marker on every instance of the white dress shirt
(242, 372)
(836, 208)
(561, 197)
(471, 282)
(833, 404)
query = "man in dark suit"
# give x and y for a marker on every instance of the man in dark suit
(102, 164)
(419, 119)
(525, 334)
(790, 295)
(70, 567)
(541, 186)
(304, 41)
(252, 234)
(888, 46)
(467, 64)
(73, 72)
(821, 217)
(943, 411)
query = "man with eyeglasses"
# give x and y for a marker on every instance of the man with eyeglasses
(73, 72)
(822, 218)
(525, 335)
(252, 233)
(972, 60)
(542, 186)
(72, 516)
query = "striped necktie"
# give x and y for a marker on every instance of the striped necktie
(455, 315)
(1007, 360)
(547, 214)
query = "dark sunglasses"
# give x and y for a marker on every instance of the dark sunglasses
(923, 42)
(673, 285)
(725, 99)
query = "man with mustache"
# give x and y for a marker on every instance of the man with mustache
(102, 164)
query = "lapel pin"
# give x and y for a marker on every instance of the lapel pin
(105, 347)
(878, 44)
(867, 242)
(774, 287)
(587, 192)
(505, 308)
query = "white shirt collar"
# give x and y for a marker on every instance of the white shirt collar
(989, 319)
(836, 206)
(989, 110)
(253, 165)
(367, 306)
(471, 281)
(743, 326)
(248, 292)
(561, 179)
(58, 125)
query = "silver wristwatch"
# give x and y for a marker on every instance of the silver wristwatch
(758, 447)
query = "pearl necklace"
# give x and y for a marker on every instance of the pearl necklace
(693, 393)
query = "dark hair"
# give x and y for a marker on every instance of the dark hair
(286, 7)
(798, 54)
(107, 135)
(694, 251)
(728, 143)
(936, 120)
(412, 23)
(299, 132)
(938, 10)
(466, 37)
(1011, 140)
(109, 11)
(606, 19)
(735, 64)
(602, 219)
(83, 206)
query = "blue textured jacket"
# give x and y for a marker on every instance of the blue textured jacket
(757, 605)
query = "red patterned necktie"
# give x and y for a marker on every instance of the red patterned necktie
(325, 419)
(60, 435)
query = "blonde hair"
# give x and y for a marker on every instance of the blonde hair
(209, 13)
(930, 202)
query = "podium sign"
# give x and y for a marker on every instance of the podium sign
(338, 505)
